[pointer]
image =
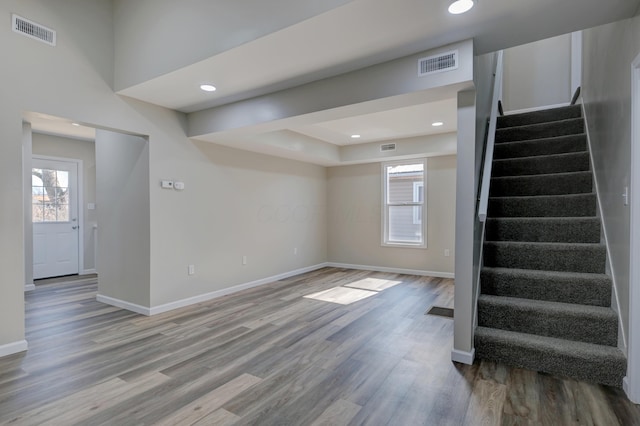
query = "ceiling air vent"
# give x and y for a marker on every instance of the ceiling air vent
(30, 29)
(443, 62)
(388, 147)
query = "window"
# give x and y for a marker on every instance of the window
(403, 218)
(50, 195)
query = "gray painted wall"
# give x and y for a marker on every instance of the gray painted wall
(354, 200)
(56, 146)
(608, 52)
(537, 74)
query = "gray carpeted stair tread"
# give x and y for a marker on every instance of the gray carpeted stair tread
(545, 146)
(578, 360)
(554, 286)
(584, 323)
(571, 126)
(541, 164)
(544, 184)
(567, 257)
(554, 114)
(566, 205)
(544, 229)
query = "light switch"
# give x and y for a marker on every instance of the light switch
(178, 186)
(166, 184)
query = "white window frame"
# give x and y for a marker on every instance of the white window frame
(385, 205)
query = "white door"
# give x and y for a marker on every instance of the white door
(54, 198)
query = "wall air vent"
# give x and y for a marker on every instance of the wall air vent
(438, 63)
(388, 147)
(32, 30)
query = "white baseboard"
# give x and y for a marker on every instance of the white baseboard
(13, 348)
(540, 108)
(633, 396)
(29, 287)
(123, 304)
(226, 291)
(463, 357)
(419, 272)
(88, 272)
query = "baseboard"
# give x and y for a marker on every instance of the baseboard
(627, 388)
(29, 287)
(422, 273)
(88, 272)
(541, 108)
(123, 304)
(463, 357)
(13, 348)
(230, 290)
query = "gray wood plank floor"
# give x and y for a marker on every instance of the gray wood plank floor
(270, 356)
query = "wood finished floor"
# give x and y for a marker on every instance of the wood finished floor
(270, 356)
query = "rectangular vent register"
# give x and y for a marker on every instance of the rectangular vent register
(438, 63)
(33, 30)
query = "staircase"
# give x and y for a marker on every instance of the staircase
(545, 301)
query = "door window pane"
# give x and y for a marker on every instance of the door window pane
(50, 195)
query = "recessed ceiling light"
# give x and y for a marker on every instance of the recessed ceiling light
(460, 6)
(208, 87)
(75, 124)
(355, 136)
(437, 124)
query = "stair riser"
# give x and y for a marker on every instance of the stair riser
(554, 114)
(594, 292)
(604, 371)
(539, 131)
(589, 259)
(541, 165)
(561, 325)
(568, 231)
(561, 184)
(574, 206)
(561, 145)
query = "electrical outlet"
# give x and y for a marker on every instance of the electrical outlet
(447, 253)
(625, 196)
(191, 269)
(244, 260)
(295, 251)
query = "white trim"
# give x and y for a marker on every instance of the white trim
(632, 381)
(576, 61)
(29, 287)
(463, 357)
(419, 272)
(88, 271)
(540, 108)
(13, 348)
(123, 304)
(203, 297)
(604, 232)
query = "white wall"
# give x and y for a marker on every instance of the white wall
(122, 176)
(608, 53)
(537, 74)
(56, 146)
(354, 221)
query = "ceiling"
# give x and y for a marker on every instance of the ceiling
(50, 125)
(341, 37)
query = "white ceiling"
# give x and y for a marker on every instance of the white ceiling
(357, 34)
(50, 125)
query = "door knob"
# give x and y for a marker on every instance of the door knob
(74, 227)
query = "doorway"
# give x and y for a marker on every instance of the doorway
(55, 196)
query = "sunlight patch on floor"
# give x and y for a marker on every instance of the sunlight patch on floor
(341, 295)
(373, 284)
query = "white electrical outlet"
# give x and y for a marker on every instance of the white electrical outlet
(625, 196)
(295, 250)
(244, 260)
(447, 252)
(191, 269)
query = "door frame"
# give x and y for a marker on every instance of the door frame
(79, 199)
(632, 381)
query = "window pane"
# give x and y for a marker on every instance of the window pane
(62, 213)
(37, 212)
(401, 180)
(36, 177)
(49, 212)
(402, 228)
(62, 178)
(61, 195)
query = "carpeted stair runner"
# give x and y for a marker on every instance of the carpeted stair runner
(545, 301)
